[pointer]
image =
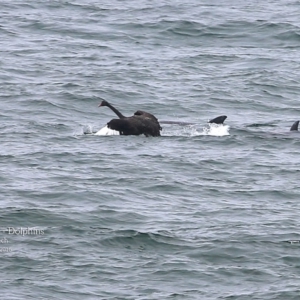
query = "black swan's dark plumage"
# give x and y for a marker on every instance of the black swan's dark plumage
(140, 123)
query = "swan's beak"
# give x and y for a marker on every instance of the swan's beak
(100, 104)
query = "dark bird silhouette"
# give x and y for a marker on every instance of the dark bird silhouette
(140, 123)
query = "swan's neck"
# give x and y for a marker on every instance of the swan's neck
(115, 111)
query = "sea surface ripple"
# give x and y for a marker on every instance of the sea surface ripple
(198, 213)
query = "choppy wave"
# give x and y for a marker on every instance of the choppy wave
(194, 214)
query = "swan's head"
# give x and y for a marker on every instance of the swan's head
(103, 103)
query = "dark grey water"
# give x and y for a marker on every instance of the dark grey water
(195, 214)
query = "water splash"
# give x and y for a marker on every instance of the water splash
(216, 130)
(106, 131)
(192, 130)
(212, 129)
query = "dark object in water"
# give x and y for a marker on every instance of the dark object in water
(295, 126)
(218, 120)
(140, 123)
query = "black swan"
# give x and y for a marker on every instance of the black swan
(140, 123)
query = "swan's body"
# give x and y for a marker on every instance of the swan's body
(140, 123)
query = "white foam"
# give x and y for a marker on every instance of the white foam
(216, 130)
(212, 129)
(192, 130)
(106, 131)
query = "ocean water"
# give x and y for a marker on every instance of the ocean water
(202, 212)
